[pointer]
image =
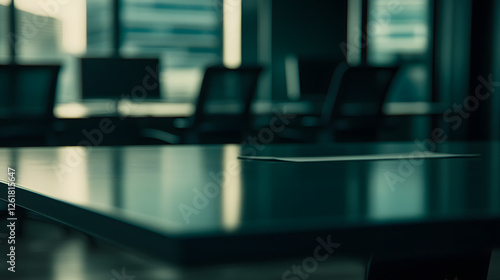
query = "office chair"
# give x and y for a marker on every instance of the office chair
(352, 110)
(27, 97)
(314, 77)
(113, 78)
(353, 107)
(232, 91)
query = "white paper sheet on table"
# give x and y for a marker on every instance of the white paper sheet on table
(413, 155)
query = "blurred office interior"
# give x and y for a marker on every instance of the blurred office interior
(442, 51)
(259, 72)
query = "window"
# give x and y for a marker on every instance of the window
(398, 30)
(99, 27)
(399, 33)
(4, 31)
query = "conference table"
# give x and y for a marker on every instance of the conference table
(136, 109)
(416, 209)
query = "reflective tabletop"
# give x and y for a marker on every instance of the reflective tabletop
(169, 199)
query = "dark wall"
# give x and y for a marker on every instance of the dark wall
(312, 29)
(481, 65)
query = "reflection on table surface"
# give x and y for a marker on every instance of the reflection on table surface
(192, 189)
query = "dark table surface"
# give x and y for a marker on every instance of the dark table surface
(194, 204)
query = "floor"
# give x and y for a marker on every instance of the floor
(49, 251)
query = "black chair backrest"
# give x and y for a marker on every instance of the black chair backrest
(357, 91)
(315, 76)
(28, 91)
(235, 87)
(111, 78)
